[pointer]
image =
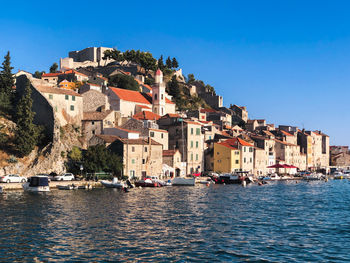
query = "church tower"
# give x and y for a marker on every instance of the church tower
(158, 94)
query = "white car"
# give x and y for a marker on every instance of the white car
(64, 177)
(13, 178)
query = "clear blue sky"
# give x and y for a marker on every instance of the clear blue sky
(287, 61)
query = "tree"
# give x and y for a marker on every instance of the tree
(161, 63)
(174, 63)
(174, 88)
(38, 74)
(26, 133)
(6, 83)
(75, 154)
(190, 78)
(3, 136)
(168, 63)
(98, 158)
(53, 68)
(124, 82)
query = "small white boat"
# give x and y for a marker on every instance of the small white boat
(183, 181)
(275, 177)
(114, 184)
(39, 183)
(314, 177)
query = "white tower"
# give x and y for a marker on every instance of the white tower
(158, 94)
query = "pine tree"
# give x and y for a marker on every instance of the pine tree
(53, 68)
(27, 133)
(174, 88)
(168, 63)
(174, 63)
(161, 63)
(6, 84)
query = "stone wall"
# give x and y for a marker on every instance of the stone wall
(94, 100)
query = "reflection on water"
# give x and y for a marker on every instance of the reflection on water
(286, 222)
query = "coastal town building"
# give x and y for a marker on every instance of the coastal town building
(226, 157)
(173, 159)
(340, 156)
(94, 122)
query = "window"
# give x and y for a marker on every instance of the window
(244, 149)
(198, 131)
(237, 161)
(50, 96)
(191, 130)
(217, 153)
(196, 157)
(133, 161)
(191, 144)
(133, 149)
(92, 123)
(155, 96)
(152, 134)
(236, 152)
(162, 135)
(146, 149)
(143, 161)
(250, 149)
(67, 97)
(251, 160)
(162, 96)
(93, 132)
(72, 107)
(55, 108)
(245, 160)
(73, 98)
(191, 156)
(196, 144)
(209, 137)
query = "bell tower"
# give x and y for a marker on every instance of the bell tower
(158, 94)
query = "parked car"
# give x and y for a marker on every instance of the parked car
(13, 178)
(64, 177)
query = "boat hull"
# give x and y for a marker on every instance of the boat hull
(178, 181)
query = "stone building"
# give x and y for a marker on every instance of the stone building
(187, 137)
(93, 54)
(240, 111)
(94, 100)
(93, 123)
(173, 159)
(339, 156)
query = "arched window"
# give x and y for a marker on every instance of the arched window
(155, 96)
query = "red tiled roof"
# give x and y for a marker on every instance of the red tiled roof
(228, 145)
(130, 95)
(146, 115)
(171, 115)
(286, 133)
(130, 131)
(143, 106)
(242, 142)
(168, 101)
(143, 84)
(207, 110)
(169, 152)
(51, 74)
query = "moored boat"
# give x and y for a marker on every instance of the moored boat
(183, 181)
(147, 182)
(39, 183)
(114, 184)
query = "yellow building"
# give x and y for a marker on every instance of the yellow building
(65, 84)
(226, 157)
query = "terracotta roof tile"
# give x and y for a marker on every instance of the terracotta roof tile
(169, 152)
(146, 115)
(130, 95)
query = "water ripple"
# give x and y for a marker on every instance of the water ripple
(280, 222)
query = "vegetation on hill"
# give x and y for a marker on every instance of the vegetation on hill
(27, 134)
(144, 59)
(6, 84)
(123, 82)
(182, 97)
(53, 68)
(199, 83)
